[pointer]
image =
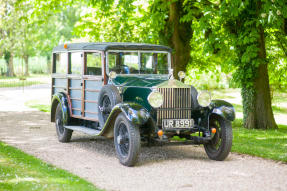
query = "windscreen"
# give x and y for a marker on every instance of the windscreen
(138, 63)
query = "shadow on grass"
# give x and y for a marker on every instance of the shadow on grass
(269, 143)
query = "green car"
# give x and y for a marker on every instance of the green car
(127, 91)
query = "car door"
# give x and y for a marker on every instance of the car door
(93, 81)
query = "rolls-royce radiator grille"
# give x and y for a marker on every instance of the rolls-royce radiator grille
(176, 104)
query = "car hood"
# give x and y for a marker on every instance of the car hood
(139, 80)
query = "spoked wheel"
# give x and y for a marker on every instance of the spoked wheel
(126, 140)
(106, 107)
(64, 135)
(220, 145)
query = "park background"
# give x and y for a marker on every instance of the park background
(236, 49)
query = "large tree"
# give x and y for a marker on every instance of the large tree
(154, 21)
(8, 32)
(243, 26)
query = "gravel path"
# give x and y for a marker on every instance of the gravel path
(175, 168)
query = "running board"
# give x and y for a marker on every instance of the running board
(84, 129)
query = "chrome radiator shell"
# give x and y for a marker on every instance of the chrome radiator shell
(177, 104)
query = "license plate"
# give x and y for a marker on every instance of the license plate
(177, 123)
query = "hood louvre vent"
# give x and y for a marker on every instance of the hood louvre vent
(176, 105)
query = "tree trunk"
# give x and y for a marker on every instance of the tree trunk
(26, 60)
(258, 111)
(180, 38)
(49, 65)
(10, 71)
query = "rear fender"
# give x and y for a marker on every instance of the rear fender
(135, 113)
(62, 99)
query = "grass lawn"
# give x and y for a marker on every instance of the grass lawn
(270, 144)
(37, 105)
(20, 171)
(8, 82)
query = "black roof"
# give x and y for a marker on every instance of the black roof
(103, 46)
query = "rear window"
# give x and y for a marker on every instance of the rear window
(60, 63)
(76, 62)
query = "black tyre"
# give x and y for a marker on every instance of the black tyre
(108, 98)
(64, 135)
(126, 140)
(220, 145)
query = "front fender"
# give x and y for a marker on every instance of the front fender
(134, 112)
(223, 109)
(62, 99)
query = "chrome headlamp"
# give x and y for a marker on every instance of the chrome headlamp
(155, 99)
(204, 98)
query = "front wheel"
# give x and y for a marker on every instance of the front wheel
(126, 140)
(220, 145)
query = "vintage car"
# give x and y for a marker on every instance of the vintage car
(128, 91)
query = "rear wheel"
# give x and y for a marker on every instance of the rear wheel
(64, 135)
(220, 145)
(126, 140)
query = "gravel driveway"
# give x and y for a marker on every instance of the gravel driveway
(175, 168)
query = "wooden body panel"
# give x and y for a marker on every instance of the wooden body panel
(82, 90)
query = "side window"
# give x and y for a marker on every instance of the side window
(113, 63)
(76, 63)
(94, 64)
(60, 63)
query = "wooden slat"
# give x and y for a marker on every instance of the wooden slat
(77, 116)
(91, 101)
(96, 113)
(76, 109)
(59, 87)
(92, 78)
(91, 90)
(75, 88)
(78, 99)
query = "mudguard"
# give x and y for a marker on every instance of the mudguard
(135, 113)
(60, 98)
(223, 109)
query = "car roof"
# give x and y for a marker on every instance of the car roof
(103, 46)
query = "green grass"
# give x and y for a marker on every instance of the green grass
(270, 144)
(16, 83)
(20, 171)
(37, 105)
(6, 82)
